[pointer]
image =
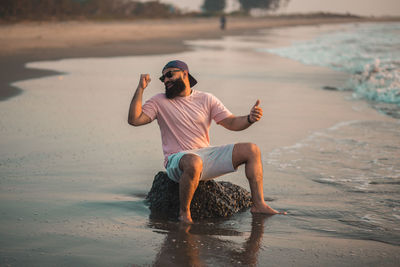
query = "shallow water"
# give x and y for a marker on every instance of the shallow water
(363, 170)
(74, 174)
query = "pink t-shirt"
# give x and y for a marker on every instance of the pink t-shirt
(185, 121)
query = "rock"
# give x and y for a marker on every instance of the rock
(212, 199)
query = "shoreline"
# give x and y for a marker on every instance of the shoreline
(42, 41)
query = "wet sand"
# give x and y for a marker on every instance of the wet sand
(73, 173)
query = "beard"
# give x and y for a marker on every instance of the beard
(173, 91)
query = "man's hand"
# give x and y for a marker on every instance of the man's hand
(144, 81)
(255, 113)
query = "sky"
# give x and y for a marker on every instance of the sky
(357, 7)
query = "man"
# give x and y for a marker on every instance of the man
(184, 116)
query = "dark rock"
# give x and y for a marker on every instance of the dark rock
(212, 199)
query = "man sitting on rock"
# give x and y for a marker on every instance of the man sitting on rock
(184, 116)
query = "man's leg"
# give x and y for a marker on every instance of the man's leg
(191, 166)
(250, 155)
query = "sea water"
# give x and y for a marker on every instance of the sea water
(359, 159)
(369, 52)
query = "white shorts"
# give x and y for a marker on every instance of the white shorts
(216, 162)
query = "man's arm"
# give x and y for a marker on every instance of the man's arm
(136, 117)
(239, 123)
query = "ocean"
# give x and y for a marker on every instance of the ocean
(364, 168)
(74, 174)
(370, 53)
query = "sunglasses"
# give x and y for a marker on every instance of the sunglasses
(168, 75)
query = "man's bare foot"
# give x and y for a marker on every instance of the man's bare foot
(265, 209)
(185, 218)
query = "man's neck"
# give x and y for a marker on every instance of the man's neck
(186, 92)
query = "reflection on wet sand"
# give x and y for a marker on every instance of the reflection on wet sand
(203, 244)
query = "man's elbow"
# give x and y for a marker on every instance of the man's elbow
(133, 122)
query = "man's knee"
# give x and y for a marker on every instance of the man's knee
(247, 149)
(191, 164)
(243, 152)
(253, 150)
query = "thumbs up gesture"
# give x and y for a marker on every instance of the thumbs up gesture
(255, 113)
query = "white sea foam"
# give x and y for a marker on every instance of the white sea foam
(369, 52)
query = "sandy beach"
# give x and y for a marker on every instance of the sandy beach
(73, 174)
(34, 41)
(30, 36)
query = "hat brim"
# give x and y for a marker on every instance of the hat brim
(192, 81)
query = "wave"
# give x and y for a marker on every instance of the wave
(369, 52)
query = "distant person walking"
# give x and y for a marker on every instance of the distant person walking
(222, 21)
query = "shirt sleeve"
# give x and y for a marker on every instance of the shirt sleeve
(150, 108)
(218, 110)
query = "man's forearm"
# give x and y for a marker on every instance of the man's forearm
(135, 116)
(236, 123)
(135, 108)
(242, 123)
